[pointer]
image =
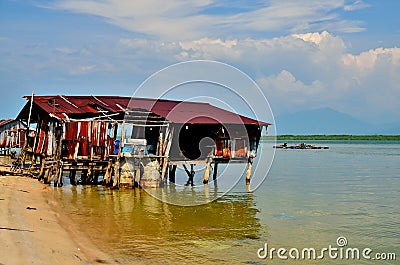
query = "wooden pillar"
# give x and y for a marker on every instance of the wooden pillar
(46, 175)
(249, 167)
(166, 154)
(207, 171)
(108, 173)
(138, 174)
(42, 164)
(190, 174)
(89, 177)
(96, 177)
(72, 176)
(117, 170)
(84, 176)
(58, 176)
(172, 171)
(215, 171)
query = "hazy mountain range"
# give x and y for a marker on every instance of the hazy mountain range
(327, 121)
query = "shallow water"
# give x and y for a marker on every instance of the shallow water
(309, 199)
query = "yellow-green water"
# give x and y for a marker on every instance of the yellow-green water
(309, 199)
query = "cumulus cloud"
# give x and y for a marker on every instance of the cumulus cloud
(300, 70)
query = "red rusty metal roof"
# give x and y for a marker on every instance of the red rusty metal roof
(175, 111)
(7, 121)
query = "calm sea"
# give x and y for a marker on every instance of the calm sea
(308, 200)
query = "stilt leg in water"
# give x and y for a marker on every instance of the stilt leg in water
(190, 174)
(215, 173)
(72, 176)
(172, 170)
(249, 167)
(207, 171)
(108, 174)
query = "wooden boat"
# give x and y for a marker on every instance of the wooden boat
(299, 146)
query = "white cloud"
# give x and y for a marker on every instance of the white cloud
(185, 20)
(299, 71)
(358, 4)
(82, 70)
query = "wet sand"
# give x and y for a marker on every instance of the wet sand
(34, 231)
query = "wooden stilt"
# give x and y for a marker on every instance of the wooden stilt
(89, 179)
(166, 155)
(215, 171)
(51, 176)
(190, 174)
(172, 170)
(96, 177)
(249, 167)
(84, 177)
(72, 176)
(137, 177)
(117, 174)
(207, 171)
(108, 174)
(42, 164)
(46, 176)
(58, 177)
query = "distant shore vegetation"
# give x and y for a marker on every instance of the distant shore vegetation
(334, 137)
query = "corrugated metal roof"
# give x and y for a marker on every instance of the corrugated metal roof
(7, 121)
(173, 111)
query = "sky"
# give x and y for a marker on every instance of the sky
(303, 54)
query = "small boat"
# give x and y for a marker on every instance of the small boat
(299, 146)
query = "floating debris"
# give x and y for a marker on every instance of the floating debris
(283, 215)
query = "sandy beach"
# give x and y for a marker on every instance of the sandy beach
(33, 231)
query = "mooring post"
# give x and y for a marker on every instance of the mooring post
(249, 167)
(207, 171)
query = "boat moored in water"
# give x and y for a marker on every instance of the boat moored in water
(299, 146)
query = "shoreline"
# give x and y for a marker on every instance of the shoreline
(33, 230)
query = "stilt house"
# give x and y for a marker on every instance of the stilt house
(99, 135)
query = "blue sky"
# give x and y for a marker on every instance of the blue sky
(304, 54)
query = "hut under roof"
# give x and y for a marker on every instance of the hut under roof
(97, 134)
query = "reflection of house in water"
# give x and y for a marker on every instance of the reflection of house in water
(133, 141)
(135, 215)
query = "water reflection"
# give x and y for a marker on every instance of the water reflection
(133, 224)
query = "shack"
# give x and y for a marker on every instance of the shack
(12, 136)
(131, 141)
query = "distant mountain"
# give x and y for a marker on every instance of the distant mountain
(324, 121)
